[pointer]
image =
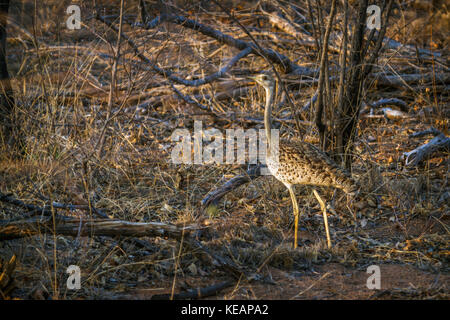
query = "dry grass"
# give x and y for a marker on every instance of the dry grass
(401, 222)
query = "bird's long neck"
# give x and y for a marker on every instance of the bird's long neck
(270, 91)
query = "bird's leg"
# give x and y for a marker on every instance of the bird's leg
(295, 206)
(325, 218)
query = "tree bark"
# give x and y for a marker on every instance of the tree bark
(69, 226)
(7, 112)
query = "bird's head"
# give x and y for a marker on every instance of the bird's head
(264, 79)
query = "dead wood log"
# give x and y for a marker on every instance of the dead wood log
(211, 258)
(220, 262)
(280, 120)
(70, 226)
(426, 151)
(390, 101)
(408, 79)
(393, 44)
(367, 111)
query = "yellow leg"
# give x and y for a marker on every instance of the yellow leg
(325, 218)
(295, 206)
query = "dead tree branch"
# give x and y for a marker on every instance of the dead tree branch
(233, 93)
(389, 101)
(70, 226)
(171, 76)
(273, 56)
(286, 26)
(408, 79)
(214, 196)
(426, 151)
(47, 209)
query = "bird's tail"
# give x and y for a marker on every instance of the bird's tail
(351, 187)
(344, 181)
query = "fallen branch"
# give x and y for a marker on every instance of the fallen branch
(47, 209)
(188, 99)
(392, 44)
(69, 226)
(214, 196)
(32, 208)
(408, 79)
(426, 151)
(389, 101)
(432, 131)
(220, 262)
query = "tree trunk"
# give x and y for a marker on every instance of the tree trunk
(352, 94)
(7, 112)
(337, 136)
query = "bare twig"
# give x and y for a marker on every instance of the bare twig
(101, 141)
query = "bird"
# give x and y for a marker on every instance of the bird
(298, 162)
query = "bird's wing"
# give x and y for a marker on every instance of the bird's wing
(314, 166)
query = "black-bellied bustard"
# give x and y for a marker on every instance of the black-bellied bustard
(298, 162)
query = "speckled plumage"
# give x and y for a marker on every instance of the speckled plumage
(302, 163)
